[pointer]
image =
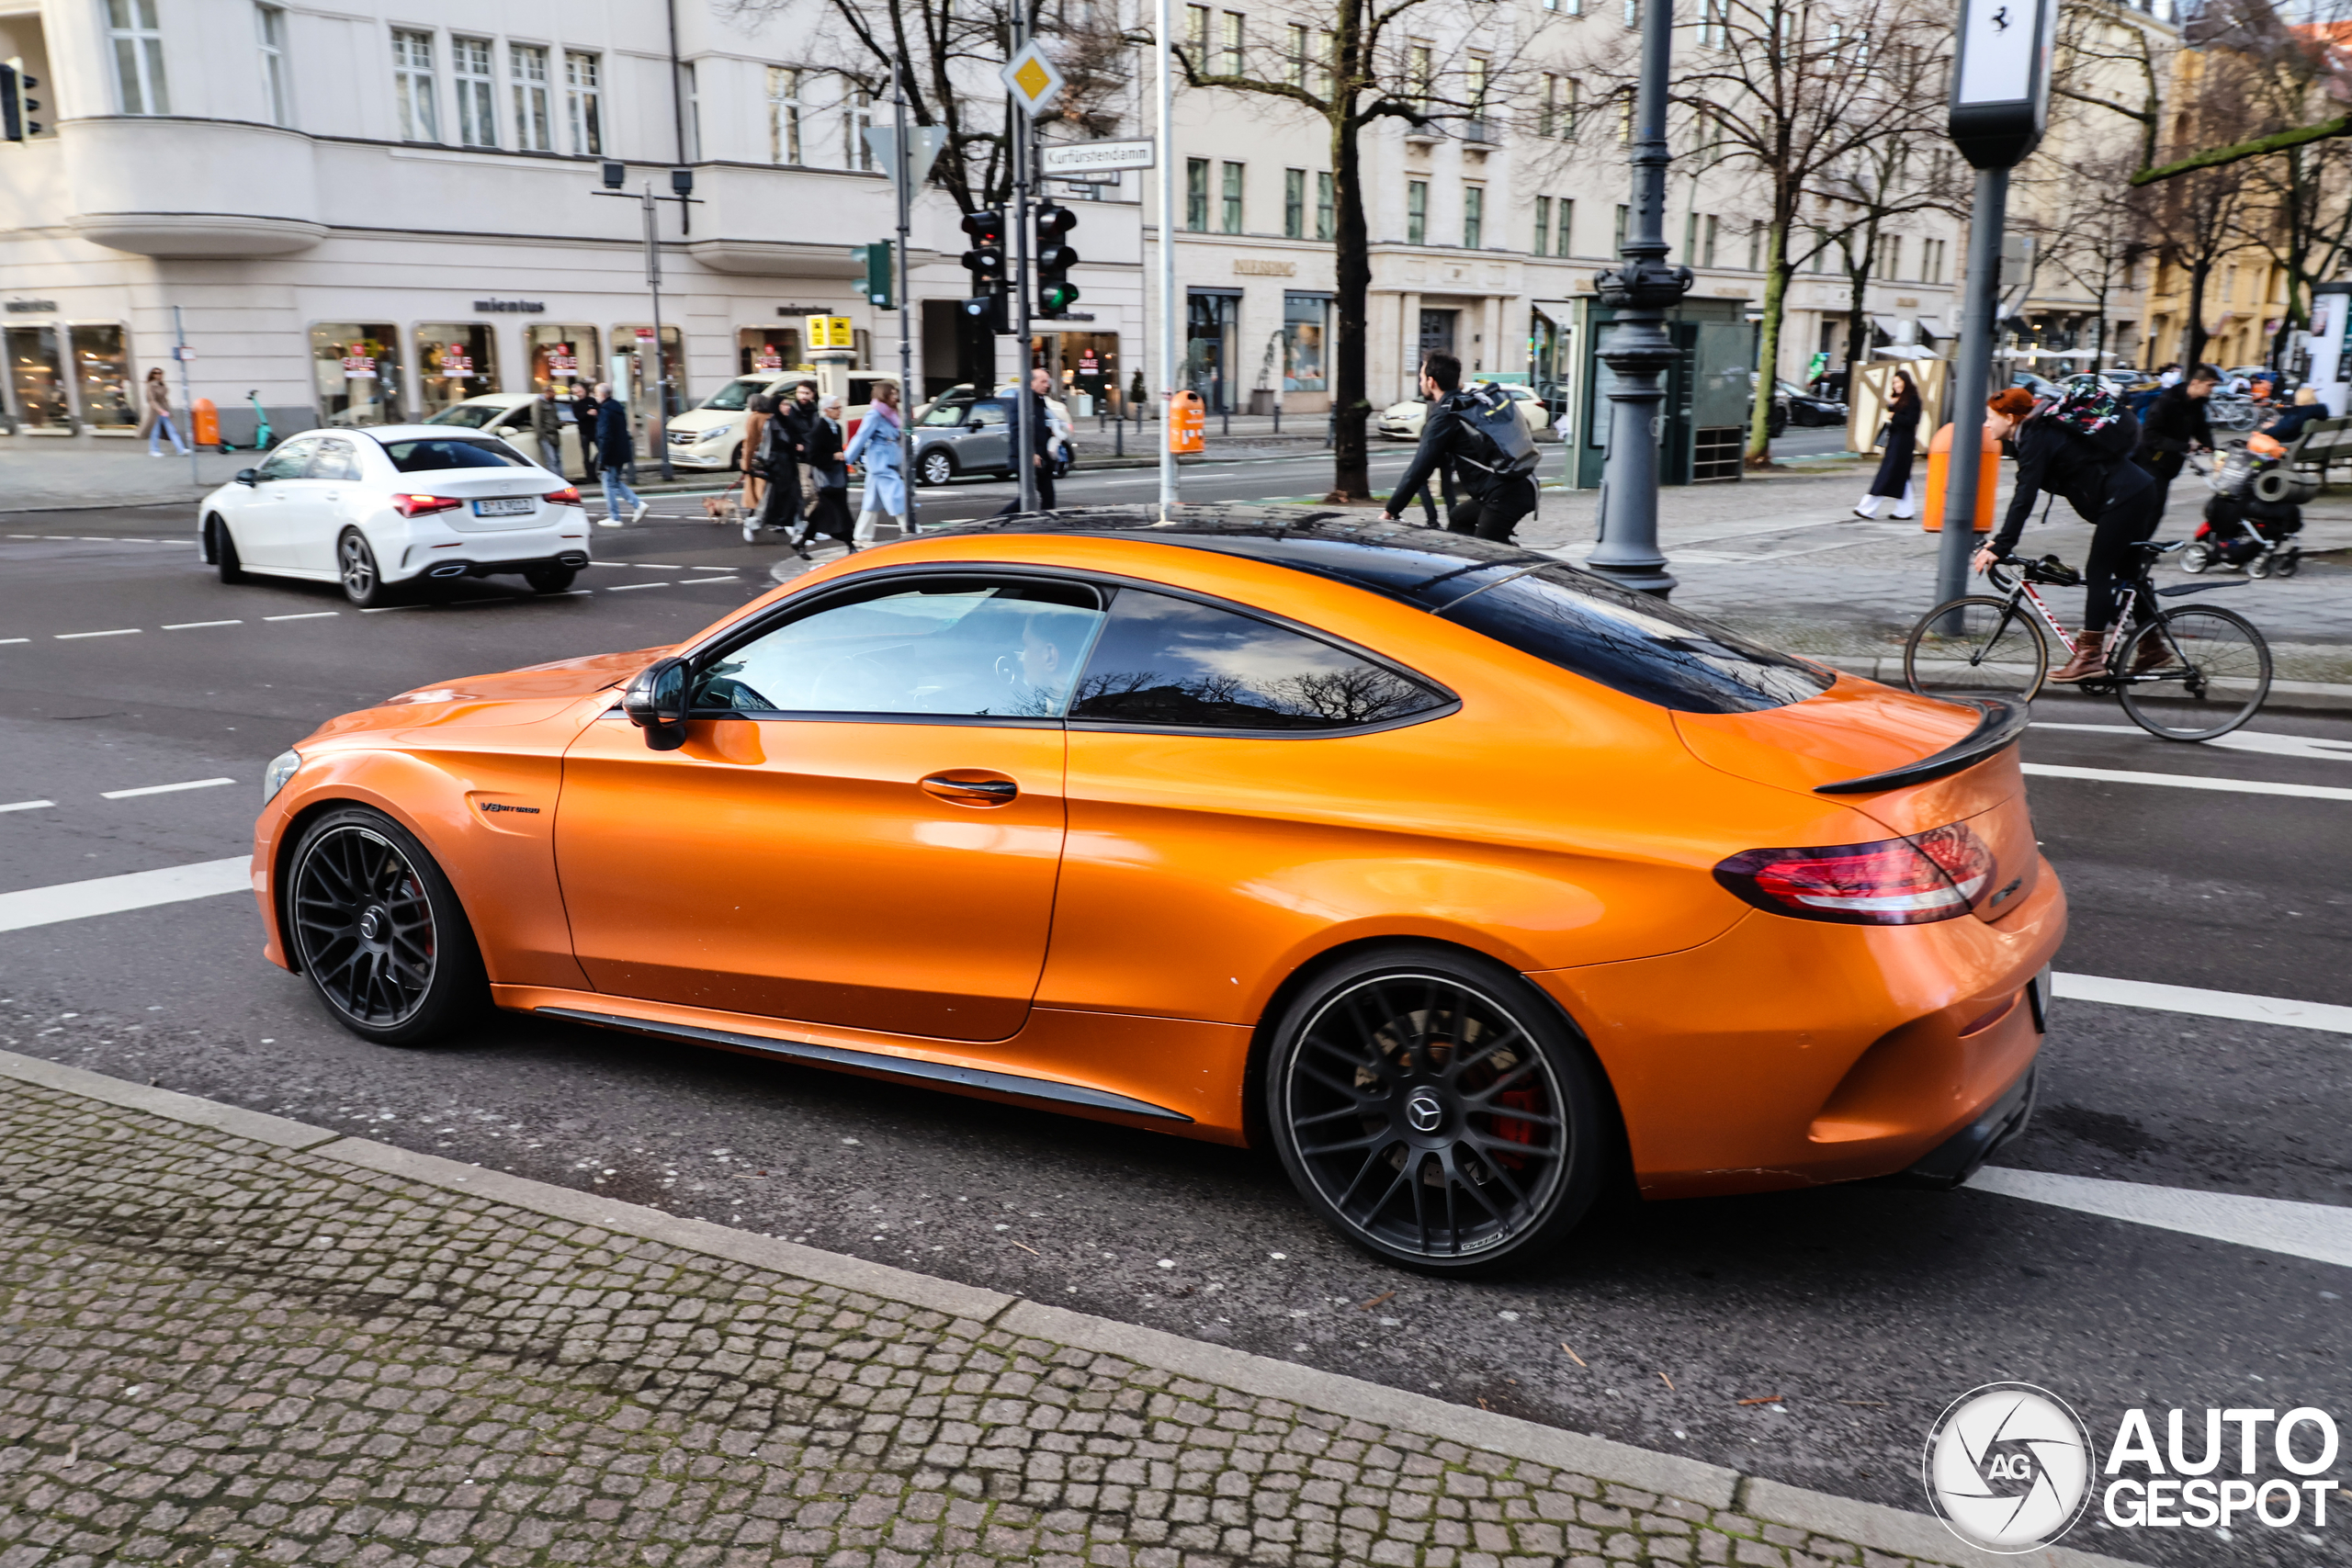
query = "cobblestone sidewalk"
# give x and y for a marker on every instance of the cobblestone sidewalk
(227, 1340)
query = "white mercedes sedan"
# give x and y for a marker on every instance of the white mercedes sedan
(383, 509)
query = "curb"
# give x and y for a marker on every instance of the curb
(1869, 1525)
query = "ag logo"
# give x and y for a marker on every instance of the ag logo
(2008, 1467)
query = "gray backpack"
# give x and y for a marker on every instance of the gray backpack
(1508, 447)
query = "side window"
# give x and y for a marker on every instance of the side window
(1164, 660)
(987, 414)
(970, 646)
(290, 461)
(334, 460)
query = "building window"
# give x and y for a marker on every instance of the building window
(1420, 73)
(526, 71)
(269, 36)
(584, 101)
(138, 56)
(1474, 217)
(470, 73)
(1306, 321)
(859, 112)
(1931, 263)
(1889, 257)
(1326, 206)
(784, 115)
(1295, 66)
(694, 112)
(1294, 204)
(1196, 194)
(1564, 213)
(1707, 245)
(1232, 195)
(1416, 211)
(1196, 34)
(1626, 117)
(413, 86)
(1326, 65)
(1617, 243)
(1714, 23)
(1690, 238)
(1633, 13)
(1230, 57)
(1755, 248)
(1477, 70)
(1542, 225)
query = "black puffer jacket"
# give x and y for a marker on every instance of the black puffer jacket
(2175, 421)
(2093, 472)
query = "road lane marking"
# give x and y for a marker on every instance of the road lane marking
(2186, 780)
(118, 631)
(657, 566)
(27, 804)
(2263, 740)
(387, 609)
(116, 895)
(625, 587)
(2234, 1005)
(7, 639)
(191, 626)
(305, 615)
(2320, 1231)
(163, 789)
(690, 582)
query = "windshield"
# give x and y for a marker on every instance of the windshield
(423, 454)
(473, 417)
(737, 395)
(1634, 644)
(947, 413)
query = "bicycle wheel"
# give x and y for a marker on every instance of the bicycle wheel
(1997, 650)
(2212, 677)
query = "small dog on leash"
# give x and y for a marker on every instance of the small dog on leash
(725, 508)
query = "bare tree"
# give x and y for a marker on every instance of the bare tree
(2089, 223)
(2109, 59)
(1898, 175)
(2199, 214)
(1795, 91)
(1349, 65)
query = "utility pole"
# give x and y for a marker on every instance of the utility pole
(2005, 46)
(1167, 89)
(1024, 443)
(1638, 348)
(188, 397)
(903, 178)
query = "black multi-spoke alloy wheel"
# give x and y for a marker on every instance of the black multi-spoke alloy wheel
(1434, 1108)
(380, 931)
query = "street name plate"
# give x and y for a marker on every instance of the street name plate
(1070, 160)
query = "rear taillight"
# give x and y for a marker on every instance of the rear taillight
(568, 496)
(1895, 882)
(418, 505)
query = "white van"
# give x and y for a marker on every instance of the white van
(710, 435)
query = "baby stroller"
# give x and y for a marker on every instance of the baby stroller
(2254, 511)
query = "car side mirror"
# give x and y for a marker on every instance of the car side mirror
(249, 475)
(656, 702)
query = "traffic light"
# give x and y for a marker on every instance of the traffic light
(1056, 292)
(879, 282)
(985, 262)
(14, 108)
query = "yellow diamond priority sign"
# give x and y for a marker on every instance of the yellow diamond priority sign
(1032, 79)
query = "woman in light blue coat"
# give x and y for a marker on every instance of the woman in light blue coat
(875, 448)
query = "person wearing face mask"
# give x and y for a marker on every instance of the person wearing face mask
(2095, 473)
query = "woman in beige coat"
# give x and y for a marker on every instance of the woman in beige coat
(157, 424)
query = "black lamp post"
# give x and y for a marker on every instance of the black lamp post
(1638, 349)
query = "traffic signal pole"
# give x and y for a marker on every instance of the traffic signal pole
(1024, 442)
(903, 178)
(1165, 24)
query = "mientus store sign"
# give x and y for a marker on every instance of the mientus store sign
(2010, 1468)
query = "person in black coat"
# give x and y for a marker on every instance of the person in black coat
(1493, 502)
(1893, 480)
(2105, 487)
(1041, 442)
(584, 420)
(616, 451)
(821, 453)
(2175, 423)
(784, 445)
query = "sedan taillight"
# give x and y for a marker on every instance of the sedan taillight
(1895, 882)
(568, 496)
(418, 505)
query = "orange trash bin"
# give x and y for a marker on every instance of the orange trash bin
(1988, 474)
(1188, 417)
(207, 420)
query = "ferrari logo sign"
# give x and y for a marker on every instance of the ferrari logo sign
(1031, 80)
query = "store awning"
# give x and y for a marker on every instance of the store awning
(1555, 311)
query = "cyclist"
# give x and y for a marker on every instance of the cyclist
(2096, 475)
(2175, 423)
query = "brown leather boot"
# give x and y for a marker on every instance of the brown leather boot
(2153, 653)
(2090, 658)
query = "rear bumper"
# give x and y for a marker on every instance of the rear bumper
(1959, 1156)
(566, 560)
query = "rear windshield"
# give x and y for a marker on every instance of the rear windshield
(419, 455)
(473, 417)
(1635, 644)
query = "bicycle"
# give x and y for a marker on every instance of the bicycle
(2190, 673)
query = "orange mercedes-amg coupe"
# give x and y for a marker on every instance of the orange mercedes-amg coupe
(1462, 878)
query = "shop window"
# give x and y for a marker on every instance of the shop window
(454, 360)
(1305, 323)
(102, 377)
(138, 56)
(36, 377)
(356, 368)
(633, 357)
(1086, 369)
(766, 351)
(562, 355)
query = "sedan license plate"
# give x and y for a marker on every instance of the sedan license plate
(512, 506)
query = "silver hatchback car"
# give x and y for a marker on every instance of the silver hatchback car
(964, 436)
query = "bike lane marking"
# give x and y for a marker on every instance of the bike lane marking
(2186, 780)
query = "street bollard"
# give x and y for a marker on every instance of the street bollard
(1278, 419)
(1119, 439)
(1225, 422)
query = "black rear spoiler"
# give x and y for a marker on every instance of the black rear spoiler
(2003, 722)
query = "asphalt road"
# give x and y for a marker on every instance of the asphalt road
(1867, 1309)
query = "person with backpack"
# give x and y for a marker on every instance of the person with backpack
(2080, 447)
(1479, 433)
(2173, 425)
